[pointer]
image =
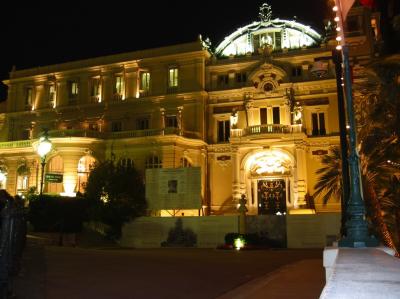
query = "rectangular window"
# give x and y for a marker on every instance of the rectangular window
(52, 95)
(241, 77)
(318, 124)
(263, 116)
(296, 71)
(95, 90)
(276, 116)
(142, 124)
(144, 83)
(321, 118)
(28, 97)
(223, 128)
(222, 80)
(171, 121)
(116, 126)
(119, 87)
(73, 91)
(173, 77)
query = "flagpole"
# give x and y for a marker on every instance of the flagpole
(356, 225)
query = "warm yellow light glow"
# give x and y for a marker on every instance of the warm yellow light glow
(44, 146)
(239, 243)
(269, 162)
(335, 8)
(2, 176)
(337, 19)
(339, 47)
(338, 29)
(302, 212)
(338, 38)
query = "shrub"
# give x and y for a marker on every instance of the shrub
(52, 213)
(177, 236)
(253, 239)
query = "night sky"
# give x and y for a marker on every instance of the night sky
(38, 33)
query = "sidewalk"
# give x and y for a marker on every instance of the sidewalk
(301, 280)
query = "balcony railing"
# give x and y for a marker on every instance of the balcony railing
(15, 144)
(266, 129)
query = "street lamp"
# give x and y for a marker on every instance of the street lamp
(44, 147)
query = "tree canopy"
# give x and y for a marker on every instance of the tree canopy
(115, 190)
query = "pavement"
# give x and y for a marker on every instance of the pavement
(368, 273)
(97, 269)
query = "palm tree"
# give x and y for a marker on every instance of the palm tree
(377, 104)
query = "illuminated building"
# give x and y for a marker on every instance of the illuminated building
(256, 116)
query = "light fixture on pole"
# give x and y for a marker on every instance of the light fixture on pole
(44, 147)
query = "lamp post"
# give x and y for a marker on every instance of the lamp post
(44, 147)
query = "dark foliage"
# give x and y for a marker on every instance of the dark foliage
(115, 193)
(52, 213)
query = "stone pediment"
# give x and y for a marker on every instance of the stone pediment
(267, 77)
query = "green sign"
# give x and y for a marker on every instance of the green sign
(53, 177)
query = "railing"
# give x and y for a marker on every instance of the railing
(15, 144)
(12, 241)
(76, 133)
(266, 129)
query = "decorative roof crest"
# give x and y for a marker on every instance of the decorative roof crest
(265, 13)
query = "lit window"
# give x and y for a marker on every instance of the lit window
(318, 124)
(224, 129)
(119, 87)
(144, 83)
(95, 90)
(28, 97)
(85, 165)
(296, 71)
(22, 178)
(73, 90)
(173, 77)
(3, 177)
(153, 162)
(52, 95)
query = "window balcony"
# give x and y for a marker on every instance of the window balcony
(267, 129)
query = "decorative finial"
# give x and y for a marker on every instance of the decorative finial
(265, 13)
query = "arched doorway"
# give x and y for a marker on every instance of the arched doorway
(55, 165)
(269, 181)
(23, 174)
(85, 165)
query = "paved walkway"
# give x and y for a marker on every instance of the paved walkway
(64, 272)
(367, 273)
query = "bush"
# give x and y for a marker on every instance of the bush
(178, 236)
(52, 213)
(253, 239)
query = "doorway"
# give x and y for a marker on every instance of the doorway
(271, 196)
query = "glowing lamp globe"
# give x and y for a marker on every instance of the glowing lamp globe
(2, 176)
(44, 146)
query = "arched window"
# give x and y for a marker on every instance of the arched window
(3, 177)
(22, 179)
(85, 165)
(153, 162)
(185, 162)
(55, 165)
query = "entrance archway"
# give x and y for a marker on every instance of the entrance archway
(268, 176)
(85, 165)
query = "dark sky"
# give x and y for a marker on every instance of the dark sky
(37, 33)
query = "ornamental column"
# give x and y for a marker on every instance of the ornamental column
(236, 190)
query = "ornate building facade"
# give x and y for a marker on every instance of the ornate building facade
(256, 116)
